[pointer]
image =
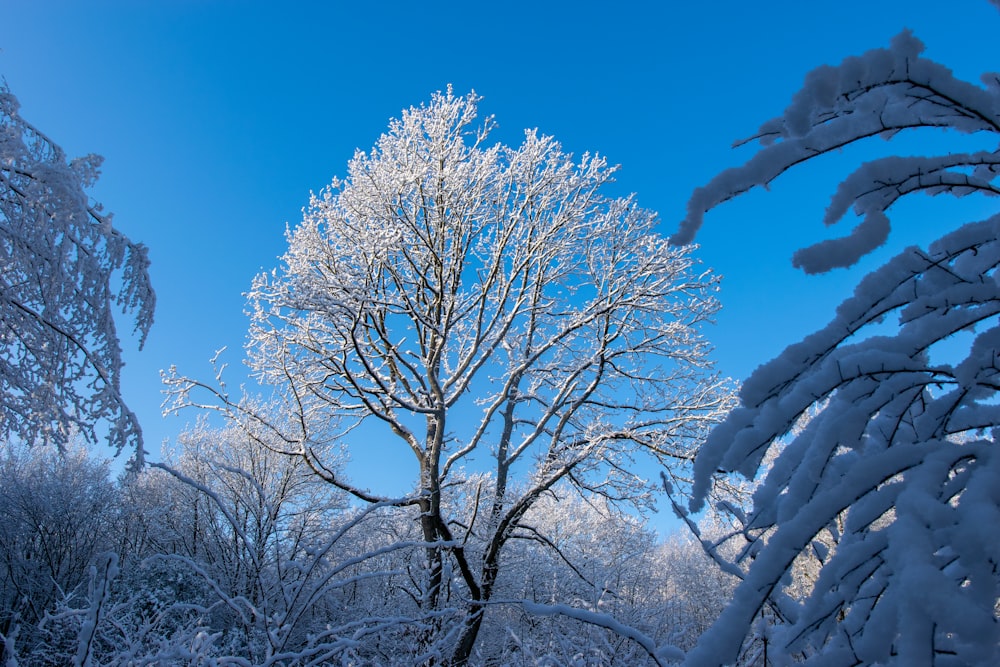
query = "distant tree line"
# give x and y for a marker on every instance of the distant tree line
(231, 554)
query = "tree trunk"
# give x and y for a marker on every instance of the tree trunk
(473, 622)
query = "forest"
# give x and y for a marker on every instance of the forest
(538, 350)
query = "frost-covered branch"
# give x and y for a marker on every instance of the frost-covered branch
(661, 655)
(66, 271)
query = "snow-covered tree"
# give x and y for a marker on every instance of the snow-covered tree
(65, 271)
(588, 555)
(892, 485)
(57, 516)
(490, 309)
(233, 554)
(261, 535)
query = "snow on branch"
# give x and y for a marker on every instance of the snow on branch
(873, 441)
(66, 270)
(879, 93)
(660, 654)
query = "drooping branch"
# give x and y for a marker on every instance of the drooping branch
(66, 272)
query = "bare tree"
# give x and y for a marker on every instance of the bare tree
(492, 310)
(65, 270)
(891, 485)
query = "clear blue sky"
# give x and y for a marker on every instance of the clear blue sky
(216, 119)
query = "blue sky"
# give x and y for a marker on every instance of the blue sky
(217, 118)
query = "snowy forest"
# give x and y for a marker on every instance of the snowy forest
(539, 350)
